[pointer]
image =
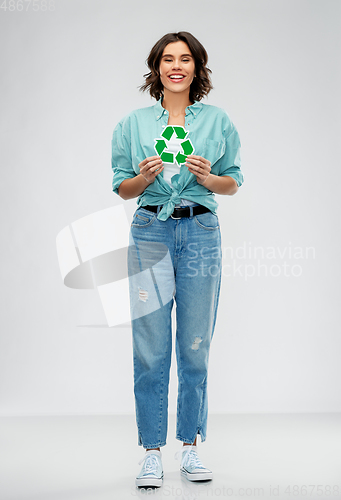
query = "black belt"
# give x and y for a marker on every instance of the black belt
(180, 212)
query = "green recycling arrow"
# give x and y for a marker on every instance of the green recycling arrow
(169, 131)
(180, 158)
(180, 132)
(161, 145)
(167, 157)
(187, 147)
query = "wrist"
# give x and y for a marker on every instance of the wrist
(148, 182)
(207, 181)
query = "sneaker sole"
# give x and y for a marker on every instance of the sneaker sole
(197, 476)
(145, 481)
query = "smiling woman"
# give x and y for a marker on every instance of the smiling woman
(193, 52)
(174, 238)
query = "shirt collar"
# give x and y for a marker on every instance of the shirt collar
(194, 109)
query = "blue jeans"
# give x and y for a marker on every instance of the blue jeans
(176, 259)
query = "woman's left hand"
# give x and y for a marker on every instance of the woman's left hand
(199, 166)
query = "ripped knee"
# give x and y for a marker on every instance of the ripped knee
(143, 295)
(195, 345)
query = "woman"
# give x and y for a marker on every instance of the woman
(174, 156)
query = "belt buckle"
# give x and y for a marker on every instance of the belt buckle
(175, 218)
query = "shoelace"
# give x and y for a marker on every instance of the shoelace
(151, 462)
(191, 455)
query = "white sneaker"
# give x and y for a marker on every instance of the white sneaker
(152, 471)
(191, 466)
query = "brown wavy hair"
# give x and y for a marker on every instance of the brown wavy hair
(201, 84)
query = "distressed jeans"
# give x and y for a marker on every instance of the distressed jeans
(174, 260)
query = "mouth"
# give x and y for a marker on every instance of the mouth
(176, 78)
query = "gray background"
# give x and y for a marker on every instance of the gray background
(68, 77)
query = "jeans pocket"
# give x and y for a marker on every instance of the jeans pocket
(143, 218)
(207, 220)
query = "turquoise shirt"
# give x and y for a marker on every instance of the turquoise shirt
(213, 136)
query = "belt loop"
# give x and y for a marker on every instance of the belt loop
(191, 211)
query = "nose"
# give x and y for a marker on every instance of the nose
(176, 64)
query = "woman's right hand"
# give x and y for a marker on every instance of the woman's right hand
(149, 166)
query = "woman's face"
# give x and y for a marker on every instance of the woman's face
(177, 67)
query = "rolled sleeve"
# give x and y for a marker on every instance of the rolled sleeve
(231, 161)
(121, 162)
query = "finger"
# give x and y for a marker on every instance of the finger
(195, 162)
(147, 160)
(152, 158)
(152, 169)
(195, 158)
(198, 170)
(160, 170)
(192, 161)
(199, 165)
(151, 163)
(195, 170)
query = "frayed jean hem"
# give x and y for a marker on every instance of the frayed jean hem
(186, 440)
(152, 446)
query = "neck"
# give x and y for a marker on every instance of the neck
(176, 103)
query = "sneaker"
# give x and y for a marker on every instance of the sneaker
(191, 466)
(152, 471)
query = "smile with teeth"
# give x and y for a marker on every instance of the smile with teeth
(176, 78)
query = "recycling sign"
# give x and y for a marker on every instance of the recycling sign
(185, 146)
